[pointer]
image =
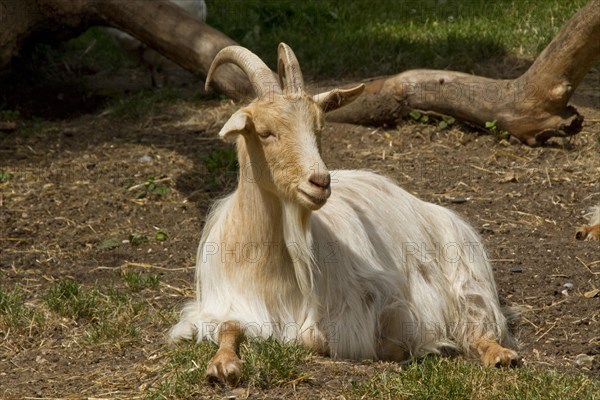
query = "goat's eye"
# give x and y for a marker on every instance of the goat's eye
(266, 134)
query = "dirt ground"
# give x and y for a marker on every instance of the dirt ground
(71, 191)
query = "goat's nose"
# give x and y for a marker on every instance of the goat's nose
(322, 180)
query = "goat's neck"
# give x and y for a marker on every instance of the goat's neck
(266, 218)
(258, 211)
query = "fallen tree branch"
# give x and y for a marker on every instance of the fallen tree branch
(533, 107)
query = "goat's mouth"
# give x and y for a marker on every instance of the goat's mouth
(314, 199)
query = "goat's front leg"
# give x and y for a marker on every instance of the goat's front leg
(492, 354)
(588, 232)
(226, 366)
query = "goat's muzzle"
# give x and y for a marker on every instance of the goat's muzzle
(316, 190)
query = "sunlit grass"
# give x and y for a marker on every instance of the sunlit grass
(266, 364)
(14, 313)
(443, 378)
(363, 38)
(107, 314)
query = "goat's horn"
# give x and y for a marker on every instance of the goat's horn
(286, 59)
(257, 71)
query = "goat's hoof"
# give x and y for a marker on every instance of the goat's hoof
(224, 368)
(499, 356)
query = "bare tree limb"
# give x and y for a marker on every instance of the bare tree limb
(533, 107)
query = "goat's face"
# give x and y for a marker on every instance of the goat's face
(285, 134)
(281, 137)
(280, 128)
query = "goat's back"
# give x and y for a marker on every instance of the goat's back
(381, 250)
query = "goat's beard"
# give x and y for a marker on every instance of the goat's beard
(298, 240)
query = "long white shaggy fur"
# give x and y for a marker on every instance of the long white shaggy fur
(373, 265)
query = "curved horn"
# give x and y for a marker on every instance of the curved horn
(286, 59)
(257, 71)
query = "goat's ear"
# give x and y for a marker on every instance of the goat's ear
(337, 98)
(237, 124)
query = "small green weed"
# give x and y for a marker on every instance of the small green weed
(446, 122)
(137, 239)
(152, 187)
(161, 236)
(417, 116)
(221, 159)
(137, 281)
(156, 188)
(493, 129)
(442, 123)
(5, 176)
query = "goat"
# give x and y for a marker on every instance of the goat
(591, 231)
(346, 263)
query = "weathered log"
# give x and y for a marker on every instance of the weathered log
(160, 24)
(533, 107)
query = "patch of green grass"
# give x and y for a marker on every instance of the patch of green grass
(137, 281)
(269, 363)
(136, 239)
(183, 376)
(493, 129)
(154, 187)
(361, 38)
(222, 167)
(266, 364)
(14, 314)
(116, 331)
(108, 315)
(443, 378)
(115, 320)
(70, 300)
(141, 104)
(121, 313)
